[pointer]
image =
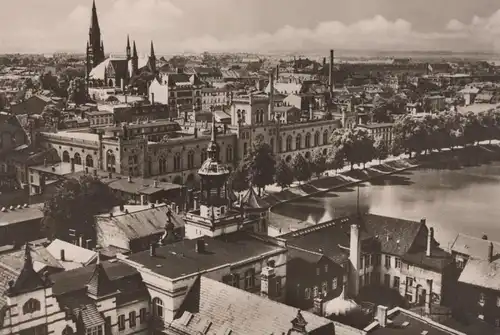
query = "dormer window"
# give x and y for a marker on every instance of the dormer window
(482, 299)
(31, 306)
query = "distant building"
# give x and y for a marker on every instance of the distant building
(382, 131)
(21, 223)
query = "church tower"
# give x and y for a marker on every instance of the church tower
(152, 59)
(95, 46)
(129, 50)
(135, 61)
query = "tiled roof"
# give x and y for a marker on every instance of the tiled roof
(33, 212)
(41, 258)
(309, 256)
(481, 273)
(223, 309)
(473, 246)
(181, 259)
(99, 283)
(77, 279)
(90, 316)
(144, 223)
(28, 279)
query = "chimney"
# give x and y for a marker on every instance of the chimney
(195, 203)
(155, 183)
(430, 238)
(62, 255)
(200, 246)
(152, 250)
(143, 199)
(354, 254)
(428, 298)
(72, 160)
(330, 74)
(490, 252)
(110, 175)
(80, 241)
(271, 94)
(382, 316)
(268, 282)
(311, 112)
(122, 208)
(129, 179)
(122, 85)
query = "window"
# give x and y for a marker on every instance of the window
(32, 180)
(497, 323)
(334, 283)
(31, 306)
(249, 278)
(289, 143)
(326, 268)
(158, 307)
(409, 281)
(297, 292)
(177, 161)
(229, 154)
(368, 260)
(162, 163)
(271, 144)
(307, 293)
(315, 292)
(298, 142)
(362, 280)
(387, 280)
(396, 282)
(324, 288)
(316, 139)
(317, 271)
(482, 299)
(325, 137)
(121, 322)
(278, 286)
(398, 263)
(98, 329)
(308, 140)
(378, 259)
(460, 263)
(67, 331)
(143, 315)
(245, 148)
(190, 160)
(78, 159)
(235, 280)
(132, 319)
(387, 261)
(361, 262)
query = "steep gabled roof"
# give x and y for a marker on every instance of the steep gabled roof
(28, 279)
(252, 200)
(99, 284)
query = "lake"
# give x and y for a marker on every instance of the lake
(452, 201)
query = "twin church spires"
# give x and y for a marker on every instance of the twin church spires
(95, 47)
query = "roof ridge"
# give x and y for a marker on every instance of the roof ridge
(305, 250)
(477, 238)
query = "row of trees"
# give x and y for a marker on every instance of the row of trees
(444, 130)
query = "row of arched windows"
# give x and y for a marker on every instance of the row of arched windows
(89, 160)
(307, 141)
(177, 161)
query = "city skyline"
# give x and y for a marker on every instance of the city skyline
(197, 26)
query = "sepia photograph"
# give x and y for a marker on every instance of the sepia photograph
(250, 167)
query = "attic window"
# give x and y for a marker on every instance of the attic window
(405, 324)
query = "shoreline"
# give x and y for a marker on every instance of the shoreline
(449, 159)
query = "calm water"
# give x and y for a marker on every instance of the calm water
(465, 200)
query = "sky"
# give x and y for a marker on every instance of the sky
(253, 25)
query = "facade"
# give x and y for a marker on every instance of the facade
(214, 97)
(379, 131)
(111, 114)
(19, 224)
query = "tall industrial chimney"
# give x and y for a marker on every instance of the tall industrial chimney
(271, 95)
(330, 75)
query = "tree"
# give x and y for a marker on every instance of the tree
(239, 178)
(260, 164)
(283, 175)
(381, 149)
(74, 205)
(318, 163)
(49, 82)
(355, 145)
(335, 160)
(300, 167)
(77, 92)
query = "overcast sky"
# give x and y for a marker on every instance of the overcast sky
(253, 25)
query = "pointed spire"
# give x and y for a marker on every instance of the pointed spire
(152, 55)
(128, 42)
(28, 279)
(134, 52)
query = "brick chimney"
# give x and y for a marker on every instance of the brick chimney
(428, 298)
(152, 250)
(271, 94)
(200, 246)
(330, 74)
(381, 316)
(430, 239)
(268, 281)
(490, 252)
(354, 255)
(63, 258)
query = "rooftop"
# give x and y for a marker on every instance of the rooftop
(474, 247)
(481, 273)
(74, 256)
(400, 321)
(181, 258)
(20, 213)
(228, 310)
(59, 169)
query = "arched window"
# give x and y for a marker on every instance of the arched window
(203, 155)
(162, 165)
(110, 83)
(308, 140)
(67, 331)
(298, 142)
(89, 161)
(110, 161)
(229, 153)
(177, 161)
(158, 307)
(316, 139)
(289, 143)
(31, 306)
(78, 159)
(325, 137)
(307, 155)
(190, 160)
(65, 157)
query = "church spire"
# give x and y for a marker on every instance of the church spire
(95, 50)
(152, 59)
(129, 50)
(152, 50)
(213, 146)
(135, 60)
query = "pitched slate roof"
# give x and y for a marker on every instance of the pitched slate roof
(99, 283)
(253, 201)
(74, 256)
(481, 273)
(221, 309)
(28, 279)
(40, 255)
(90, 317)
(6, 275)
(474, 247)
